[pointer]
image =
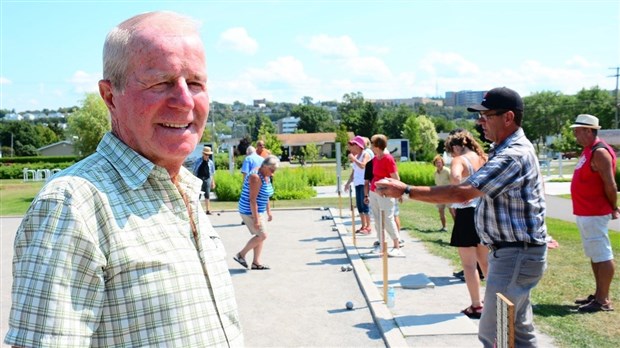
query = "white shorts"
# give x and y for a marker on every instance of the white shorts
(595, 237)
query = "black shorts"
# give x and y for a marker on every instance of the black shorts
(464, 231)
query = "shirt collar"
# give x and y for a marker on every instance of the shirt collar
(495, 148)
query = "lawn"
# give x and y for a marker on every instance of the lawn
(567, 277)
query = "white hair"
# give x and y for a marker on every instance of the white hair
(250, 150)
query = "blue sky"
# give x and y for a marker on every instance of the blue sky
(283, 50)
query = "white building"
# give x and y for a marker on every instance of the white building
(288, 125)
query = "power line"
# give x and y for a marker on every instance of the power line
(617, 104)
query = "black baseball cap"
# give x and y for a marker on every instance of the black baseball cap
(499, 98)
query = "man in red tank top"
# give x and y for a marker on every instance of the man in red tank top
(594, 194)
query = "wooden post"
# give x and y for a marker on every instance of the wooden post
(505, 318)
(352, 216)
(383, 247)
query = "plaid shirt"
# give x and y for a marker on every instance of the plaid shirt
(512, 208)
(105, 257)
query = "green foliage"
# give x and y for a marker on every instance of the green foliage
(566, 142)
(38, 159)
(16, 170)
(391, 120)
(342, 137)
(368, 124)
(416, 173)
(288, 184)
(228, 187)
(26, 137)
(310, 152)
(312, 119)
(89, 124)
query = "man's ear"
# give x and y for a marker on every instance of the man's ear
(510, 117)
(107, 94)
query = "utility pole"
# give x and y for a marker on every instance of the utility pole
(617, 103)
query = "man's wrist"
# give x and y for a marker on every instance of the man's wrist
(407, 190)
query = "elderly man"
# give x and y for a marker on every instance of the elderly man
(594, 194)
(116, 251)
(261, 150)
(251, 161)
(204, 169)
(510, 218)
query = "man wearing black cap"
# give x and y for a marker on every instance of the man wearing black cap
(510, 218)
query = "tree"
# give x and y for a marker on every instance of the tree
(392, 121)
(342, 137)
(88, 124)
(545, 114)
(310, 152)
(306, 100)
(312, 119)
(351, 110)
(423, 139)
(597, 102)
(368, 124)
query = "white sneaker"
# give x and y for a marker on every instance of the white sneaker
(376, 250)
(395, 253)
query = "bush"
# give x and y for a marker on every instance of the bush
(38, 159)
(417, 173)
(288, 184)
(16, 170)
(221, 161)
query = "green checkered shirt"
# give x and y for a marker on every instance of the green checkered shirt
(105, 257)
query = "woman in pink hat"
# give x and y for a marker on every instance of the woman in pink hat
(359, 158)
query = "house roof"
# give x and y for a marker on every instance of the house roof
(302, 139)
(60, 143)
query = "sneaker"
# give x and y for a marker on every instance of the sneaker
(582, 301)
(395, 253)
(595, 306)
(443, 229)
(376, 250)
(376, 243)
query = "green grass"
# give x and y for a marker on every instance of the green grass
(568, 275)
(15, 196)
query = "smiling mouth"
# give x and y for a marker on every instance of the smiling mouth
(175, 125)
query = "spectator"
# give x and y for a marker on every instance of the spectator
(251, 162)
(261, 150)
(204, 169)
(442, 177)
(359, 158)
(115, 250)
(594, 193)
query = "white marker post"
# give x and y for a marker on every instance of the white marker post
(338, 176)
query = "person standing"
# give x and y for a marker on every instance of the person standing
(359, 158)
(255, 210)
(261, 150)
(442, 177)
(204, 169)
(383, 166)
(594, 194)
(510, 218)
(251, 161)
(123, 253)
(467, 158)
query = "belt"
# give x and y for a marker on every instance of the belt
(522, 245)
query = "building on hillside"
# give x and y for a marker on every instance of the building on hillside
(288, 125)
(61, 148)
(260, 103)
(326, 143)
(407, 101)
(464, 98)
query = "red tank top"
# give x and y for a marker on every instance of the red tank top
(587, 188)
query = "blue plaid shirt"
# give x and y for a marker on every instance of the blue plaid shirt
(512, 208)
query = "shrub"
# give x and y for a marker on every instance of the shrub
(287, 184)
(16, 170)
(416, 173)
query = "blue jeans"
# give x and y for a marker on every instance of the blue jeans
(362, 207)
(513, 272)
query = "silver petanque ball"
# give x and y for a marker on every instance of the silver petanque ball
(349, 305)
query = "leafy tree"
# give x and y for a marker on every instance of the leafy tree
(88, 124)
(368, 124)
(306, 100)
(597, 102)
(351, 110)
(392, 121)
(46, 135)
(545, 114)
(25, 137)
(423, 139)
(312, 119)
(259, 121)
(310, 152)
(342, 137)
(243, 145)
(566, 142)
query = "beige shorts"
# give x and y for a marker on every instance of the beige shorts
(249, 223)
(595, 237)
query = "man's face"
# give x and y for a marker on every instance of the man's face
(492, 122)
(583, 135)
(164, 108)
(439, 165)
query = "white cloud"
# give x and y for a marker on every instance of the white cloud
(5, 81)
(237, 39)
(84, 82)
(581, 62)
(333, 47)
(447, 64)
